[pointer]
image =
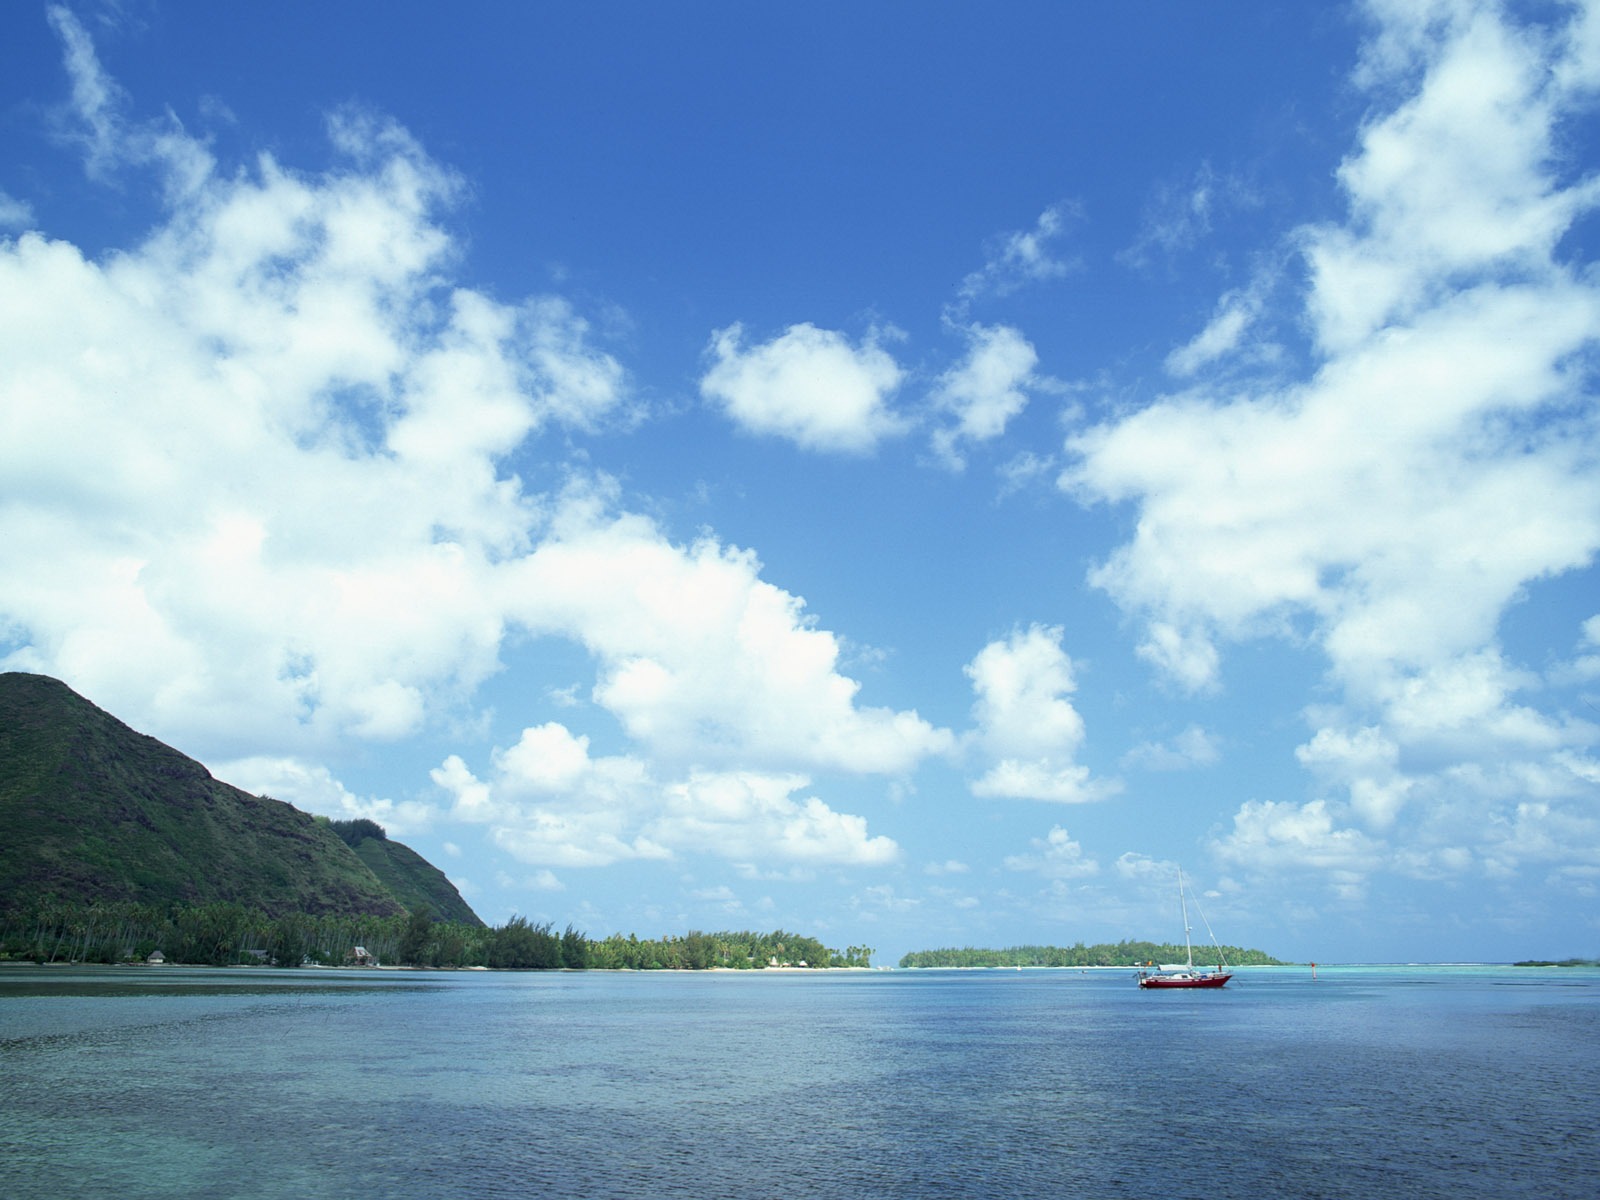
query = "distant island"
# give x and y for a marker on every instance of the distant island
(1121, 954)
(1565, 962)
(119, 848)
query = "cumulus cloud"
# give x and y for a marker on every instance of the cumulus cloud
(1456, 183)
(265, 458)
(699, 657)
(1367, 762)
(1273, 834)
(984, 391)
(548, 802)
(314, 789)
(258, 456)
(1026, 725)
(746, 816)
(807, 384)
(1440, 459)
(574, 812)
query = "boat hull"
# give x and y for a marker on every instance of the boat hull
(1184, 981)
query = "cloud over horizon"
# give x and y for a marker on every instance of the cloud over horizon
(289, 346)
(1393, 506)
(1233, 478)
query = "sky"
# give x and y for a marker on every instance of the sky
(912, 475)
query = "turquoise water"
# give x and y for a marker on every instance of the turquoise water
(1365, 1082)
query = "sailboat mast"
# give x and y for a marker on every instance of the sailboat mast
(1184, 904)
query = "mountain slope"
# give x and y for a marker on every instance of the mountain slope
(412, 879)
(92, 810)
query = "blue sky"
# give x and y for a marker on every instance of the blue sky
(914, 475)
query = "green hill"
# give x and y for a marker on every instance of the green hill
(412, 879)
(93, 811)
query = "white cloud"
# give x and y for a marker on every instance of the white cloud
(809, 385)
(1191, 748)
(538, 881)
(548, 802)
(96, 124)
(1026, 471)
(743, 816)
(1055, 856)
(1540, 833)
(1025, 724)
(1181, 215)
(1225, 335)
(313, 789)
(984, 391)
(1456, 182)
(883, 898)
(1391, 506)
(1188, 657)
(546, 759)
(14, 213)
(263, 457)
(230, 451)
(1585, 666)
(1021, 258)
(701, 659)
(1464, 706)
(1020, 685)
(1273, 836)
(1367, 762)
(1140, 868)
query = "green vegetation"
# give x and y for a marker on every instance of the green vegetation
(116, 846)
(220, 933)
(1565, 962)
(1122, 954)
(225, 934)
(411, 879)
(95, 813)
(742, 951)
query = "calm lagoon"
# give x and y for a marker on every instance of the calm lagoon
(1363, 1082)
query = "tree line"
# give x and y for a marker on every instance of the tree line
(1120, 954)
(737, 951)
(228, 934)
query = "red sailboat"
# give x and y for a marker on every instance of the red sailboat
(1187, 976)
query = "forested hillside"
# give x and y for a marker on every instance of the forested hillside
(114, 846)
(412, 879)
(96, 813)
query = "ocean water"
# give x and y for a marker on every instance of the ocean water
(1364, 1082)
